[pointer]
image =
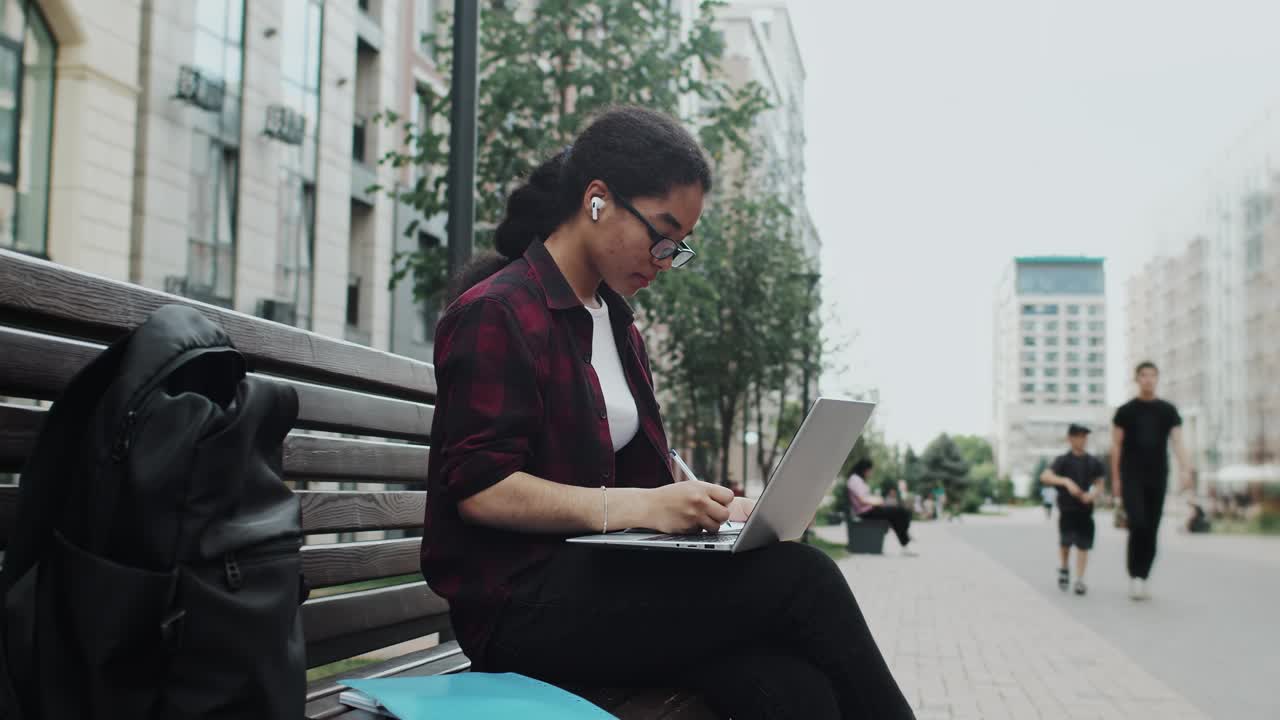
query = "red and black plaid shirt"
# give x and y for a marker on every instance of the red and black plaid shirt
(517, 393)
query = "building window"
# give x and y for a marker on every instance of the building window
(424, 25)
(1073, 341)
(1051, 387)
(1028, 357)
(1051, 357)
(1028, 372)
(1073, 357)
(1095, 388)
(1028, 400)
(1072, 401)
(353, 300)
(1073, 387)
(1028, 387)
(302, 30)
(1095, 341)
(421, 121)
(211, 221)
(1051, 372)
(1051, 341)
(1051, 326)
(1028, 325)
(1095, 309)
(1073, 372)
(1096, 372)
(1095, 401)
(1096, 326)
(27, 58)
(1048, 309)
(1073, 325)
(1028, 341)
(213, 198)
(1073, 309)
(1095, 357)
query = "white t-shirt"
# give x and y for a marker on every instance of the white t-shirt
(624, 419)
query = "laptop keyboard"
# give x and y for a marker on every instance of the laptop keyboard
(715, 538)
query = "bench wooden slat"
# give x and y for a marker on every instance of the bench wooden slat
(342, 459)
(331, 511)
(343, 626)
(305, 456)
(39, 366)
(443, 659)
(341, 563)
(42, 294)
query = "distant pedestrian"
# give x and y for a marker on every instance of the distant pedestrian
(1078, 477)
(1047, 497)
(1140, 439)
(865, 505)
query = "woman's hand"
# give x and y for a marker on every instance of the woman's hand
(740, 509)
(688, 506)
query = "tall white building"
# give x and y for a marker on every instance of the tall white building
(761, 47)
(1207, 313)
(1050, 360)
(222, 150)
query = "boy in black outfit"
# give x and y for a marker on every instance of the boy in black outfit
(1078, 475)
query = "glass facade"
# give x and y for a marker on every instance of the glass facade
(212, 202)
(302, 32)
(1061, 277)
(27, 57)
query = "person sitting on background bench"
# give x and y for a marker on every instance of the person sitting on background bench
(868, 506)
(547, 426)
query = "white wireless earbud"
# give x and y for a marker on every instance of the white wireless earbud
(596, 204)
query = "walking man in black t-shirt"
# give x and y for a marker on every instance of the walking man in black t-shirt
(1140, 439)
(1078, 477)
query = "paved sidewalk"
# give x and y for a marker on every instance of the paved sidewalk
(966, 638)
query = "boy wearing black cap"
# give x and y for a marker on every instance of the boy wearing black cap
(1079, 476)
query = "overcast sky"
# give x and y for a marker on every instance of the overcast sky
(946, 137)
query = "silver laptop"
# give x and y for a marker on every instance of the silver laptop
(792, 496)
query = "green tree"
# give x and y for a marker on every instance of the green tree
(1034, 492)
(914, 471)
(734, 321)
(543, 75)
(944, 467)
(975, 449)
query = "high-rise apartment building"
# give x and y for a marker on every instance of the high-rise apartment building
(1050, 360)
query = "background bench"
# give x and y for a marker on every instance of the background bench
(357, 458)
(865, 535)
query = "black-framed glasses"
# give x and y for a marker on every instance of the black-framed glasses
(663, 247)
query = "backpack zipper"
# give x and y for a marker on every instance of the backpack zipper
(120, 448)
(233, 565)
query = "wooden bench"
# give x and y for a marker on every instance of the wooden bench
(357, 458)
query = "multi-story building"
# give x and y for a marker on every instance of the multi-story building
(223, 150)
(761, 47)
(1208, 315)
(1050, 360)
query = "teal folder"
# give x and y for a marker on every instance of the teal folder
(475, 695)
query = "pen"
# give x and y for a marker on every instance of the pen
(684, 468)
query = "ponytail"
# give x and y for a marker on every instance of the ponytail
(533, 212)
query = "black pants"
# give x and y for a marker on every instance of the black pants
(1144, 504)
(771, 633)
(899, 519)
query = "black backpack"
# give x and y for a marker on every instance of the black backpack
(153, 570)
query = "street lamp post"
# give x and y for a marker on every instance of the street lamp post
(462, 133)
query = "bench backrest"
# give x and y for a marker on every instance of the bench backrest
(54, 320)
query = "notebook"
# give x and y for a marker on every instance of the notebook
(467, 695)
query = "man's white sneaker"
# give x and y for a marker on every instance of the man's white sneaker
(1138, 589)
